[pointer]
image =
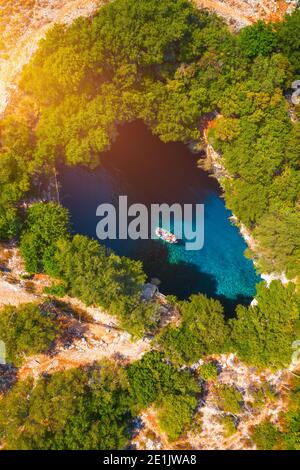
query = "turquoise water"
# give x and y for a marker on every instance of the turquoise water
(148, 171)
(222, 255)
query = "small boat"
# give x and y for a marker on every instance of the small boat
(165, 235)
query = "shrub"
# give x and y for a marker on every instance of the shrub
(208, 371)
(262, 335)
(202, 331)
(10, 223)
(265, 435)
(228, 398)
(257, 39)
(46, 223)
(85, 408)
(26, 330)
(175, 414)
(173, 392)
(228, 425)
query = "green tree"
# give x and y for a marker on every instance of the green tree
(148, 33)
(228, 425)
(208, 371)
(95, 274)
(228, 398)
(137, 316)
(175, 414)
(16, 143)
(26, 330)
(92, 273)
(257, 39)
(265, 435)
(278, 236)
(95, 413)
(290, 421)
(46, 223)
(202, 331)
(172, 391)
(10, 222)
(288, 33)
(263, 334)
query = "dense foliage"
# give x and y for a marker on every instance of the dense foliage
(290, 437)
(94, 274)
(95, 413)
(265, 435)
(45, 225)
(263, 334)
(26, 330)
(99, 404)
(98, 276)
(85, 269)
(168, 64)
(228, 398)
(173, 392)
(260, 150)
(202, 331)
(279, 234)
(16, 171)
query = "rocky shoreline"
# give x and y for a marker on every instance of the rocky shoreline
(26, 41)
(218, 171)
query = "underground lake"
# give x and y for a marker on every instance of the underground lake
(149, 171)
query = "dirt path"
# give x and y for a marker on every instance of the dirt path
(13, 295)
(99, 342)
(90, 335)
(102, 339)
(101, 335)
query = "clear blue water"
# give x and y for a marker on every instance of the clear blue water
(148, 171)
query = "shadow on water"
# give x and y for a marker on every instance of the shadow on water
(182, 278)
(231, 304)
(149, 171)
